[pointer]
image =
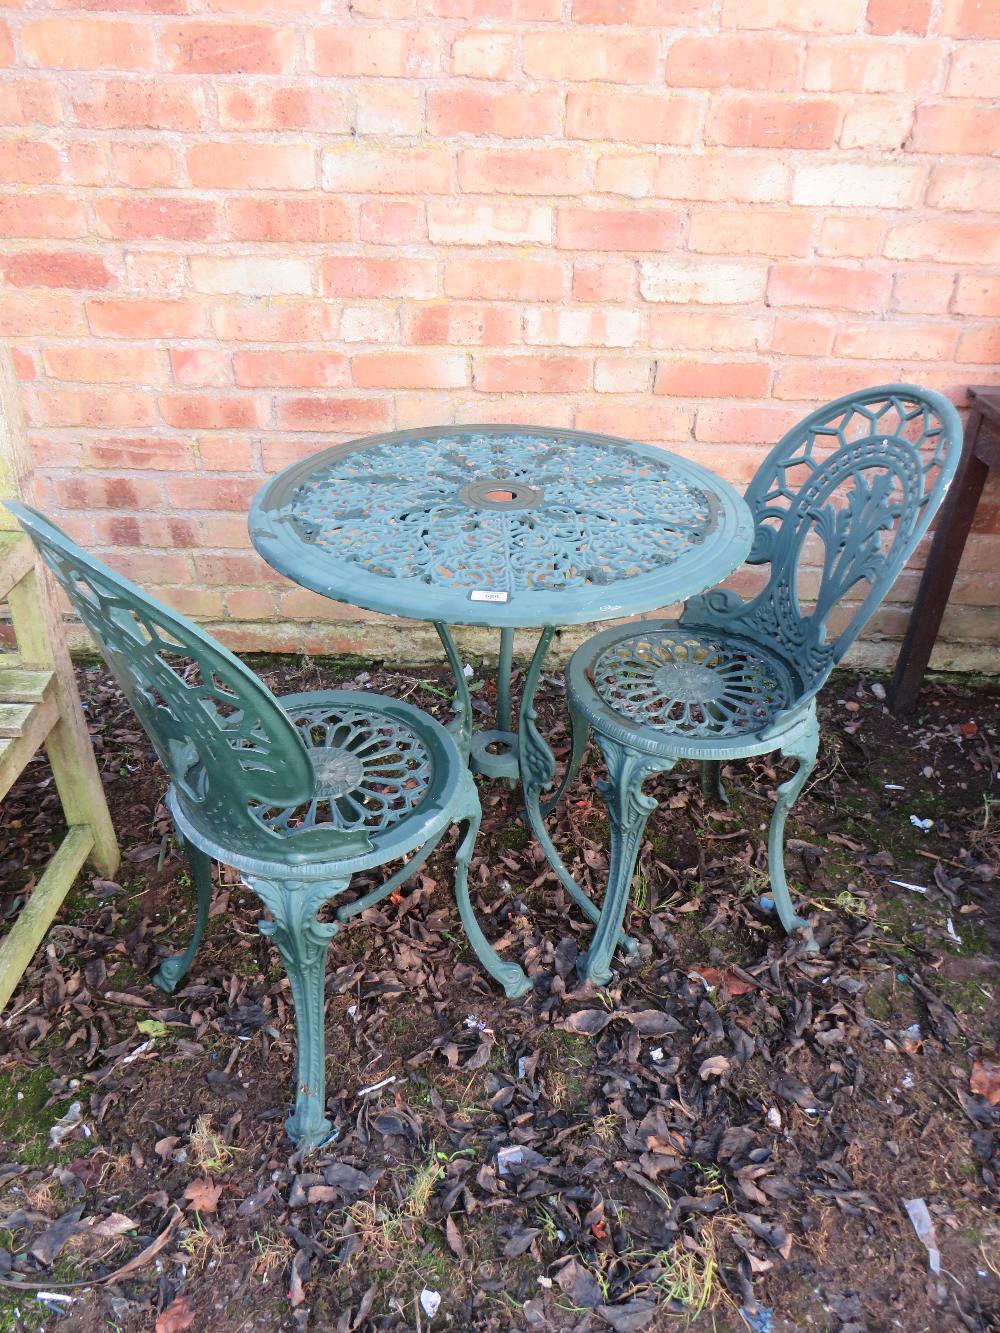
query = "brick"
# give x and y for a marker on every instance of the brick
(722, 179)
(738, 232)
(7, 54)
(46, 268)
(103, 364)
(702, 282)
(798, 335)
(142, 453)
(547, 326)
(469, 222)
(94, 408)
(200, 367)
(712, 379)
(129, 493)
(619, 374)
(212, 493)
(28, 162)
(728, 61)
(251, 603)
(87, 164)
(969, 18)
(291, 370)
(826, 287)
(978, 294)
(630, 174)
(641, 13)
(145, 217)
(528, 11)
(975, 70)
(212, 411)
(945, 241)
(965, 189)
(228, 48)
(258, 166)
(283, 322)
(352, 168)
(23, 315)
(578, 55)
(144, 165)
(410, 370)
(771, 122)
(264, 107)
(617, 229)
(523, 171)
(155, 273)
(144, 530)
(857, 185)
(299, 219)
(518, 114)
(693, 331)
(979, 346)
(483, 55)
(42, 215)
(414, 278)
(385, 106)
(876, 122)
(743, 424)
(795, 15)
(391, 51)
(556, 410)
(635, 421)
(605, 280)
(251, 276)
(227, 453)
(632, 117)
(850, 238)
(864, 66)
(530, 374)
(369, 324)
(922, 293)
(128, 104)
(462, 325)
(888, 342)
(147, 319)
(360, 415)
(804, 381)
(889, 18)
(504, 279)
(72, 43)
(29, 102)
(946, 128)
(392, 222)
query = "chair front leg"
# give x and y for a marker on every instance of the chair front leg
(803, 748)
(711, 781)
(303, 941)
(580, 732)
(511, 976)
(628, 810)
(171, 970)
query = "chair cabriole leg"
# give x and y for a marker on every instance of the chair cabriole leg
(804, 749)
(171, 970)
(711, 781)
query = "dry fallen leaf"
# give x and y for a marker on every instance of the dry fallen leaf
(177, 1315)
(985, 1081)
(203, 1194)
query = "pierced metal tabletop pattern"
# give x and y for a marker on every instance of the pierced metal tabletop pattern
(693, 685)
(445, 519)
(371, 770)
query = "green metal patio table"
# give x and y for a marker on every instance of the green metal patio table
(507, 527)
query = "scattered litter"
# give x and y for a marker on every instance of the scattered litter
(352, 1010)
(477, 1024)
(430, 1302)
(656, 1054)
(521, 1066)
(878, 690)
(139, 1050)
(65, 1125)
(908, 1080)
(467, 671)
(924, 824)
(54, 1297)
(924, 1227)
(766, 902)
(374, 1087)
(910, 1038)
(509, 1156)
(905, 884)
(953, 933)
(758, 1320)
(894, 786)
(774, 1118)
(927, 771)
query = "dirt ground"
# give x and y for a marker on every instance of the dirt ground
(723, 1138)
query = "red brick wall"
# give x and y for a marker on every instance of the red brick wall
(237, 228)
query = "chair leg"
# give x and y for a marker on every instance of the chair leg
(511, 976)
(303, 941)
(171, 970)
(580, 731)
(711, 781)
(803, 749)
(628, 810)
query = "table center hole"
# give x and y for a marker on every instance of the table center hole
(500, 495)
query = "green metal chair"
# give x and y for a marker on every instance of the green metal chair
(849, 491)
(298, 793)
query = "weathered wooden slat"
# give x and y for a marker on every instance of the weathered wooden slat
(14, 718)
(21, 748)
(35, 917)
(16, 558)
(20, 685)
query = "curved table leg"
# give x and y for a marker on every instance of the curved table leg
(628, 810)
(461, 724)
(538, 772)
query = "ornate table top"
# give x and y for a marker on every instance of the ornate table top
(501, 525)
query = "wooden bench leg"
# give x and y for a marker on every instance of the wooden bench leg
(950, 537)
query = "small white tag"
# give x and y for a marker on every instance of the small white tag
(488, 595)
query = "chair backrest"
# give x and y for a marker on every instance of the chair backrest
(841, 501)
(232, 753)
